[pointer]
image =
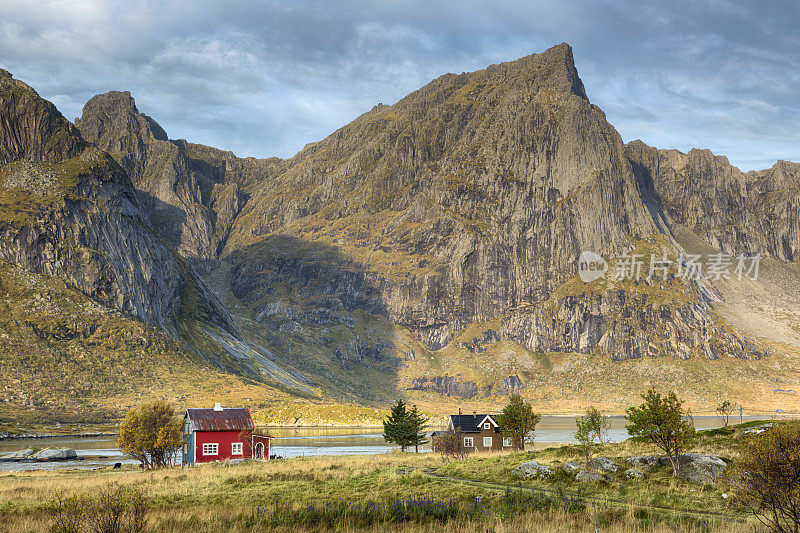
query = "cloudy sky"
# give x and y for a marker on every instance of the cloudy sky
(264, 78)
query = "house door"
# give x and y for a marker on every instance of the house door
(259, 451)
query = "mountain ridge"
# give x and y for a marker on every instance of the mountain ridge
(430, 247)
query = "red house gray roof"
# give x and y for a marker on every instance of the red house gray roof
(226, 419)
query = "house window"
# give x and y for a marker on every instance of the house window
(507, 441)
(467, 442)
(487, 442)
(210, 448)
(487, 425)
(236, 448)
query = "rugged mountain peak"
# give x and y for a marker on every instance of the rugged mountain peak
(750, 213)
(550, 74)
(191, 192)
(486, 187)
(114, 114)
(556, 65)
(67, 209)
(32, 128)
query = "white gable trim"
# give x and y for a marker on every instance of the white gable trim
(490, 419)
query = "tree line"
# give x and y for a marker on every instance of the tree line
(405, 427)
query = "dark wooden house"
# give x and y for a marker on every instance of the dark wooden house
(478, 433)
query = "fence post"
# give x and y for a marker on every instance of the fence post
(740, 414)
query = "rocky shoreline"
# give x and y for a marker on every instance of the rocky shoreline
(29, 455)
(5, 436)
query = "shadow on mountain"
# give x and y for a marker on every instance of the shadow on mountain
(320, 312)
(168, 220)
(649, 196)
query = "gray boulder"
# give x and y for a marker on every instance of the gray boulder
(647, 462)
(592, 477)
(22, 454)
(532, 470)
(756, 430)
(571, 468)
(701, 469)
(632, 473)
(55, 454)
(604, 464)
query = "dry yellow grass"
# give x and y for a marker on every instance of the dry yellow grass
(216, 497)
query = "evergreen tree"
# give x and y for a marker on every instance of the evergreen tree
(398, 428)
(418, 423)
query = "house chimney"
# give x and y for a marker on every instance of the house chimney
(218, 407)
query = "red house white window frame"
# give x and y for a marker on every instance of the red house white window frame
(210, 448)
(237, 448)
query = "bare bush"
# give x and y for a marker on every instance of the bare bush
(115, 509)
(766, 479)
(449, 443)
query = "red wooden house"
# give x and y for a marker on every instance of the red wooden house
(220, 434)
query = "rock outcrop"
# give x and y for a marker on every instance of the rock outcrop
(532, 470)
(647, 462)
(55, 454)
(447, 385)
(604, 464)
(701, 469)
(632, 473)
(592, 477)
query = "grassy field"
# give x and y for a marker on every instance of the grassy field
(397, 491)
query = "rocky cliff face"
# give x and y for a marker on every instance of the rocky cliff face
(67, 209)
(31, 127)
(191, 192)
(468, 198)
(451, 221)
(736, 212)
(471, 199)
